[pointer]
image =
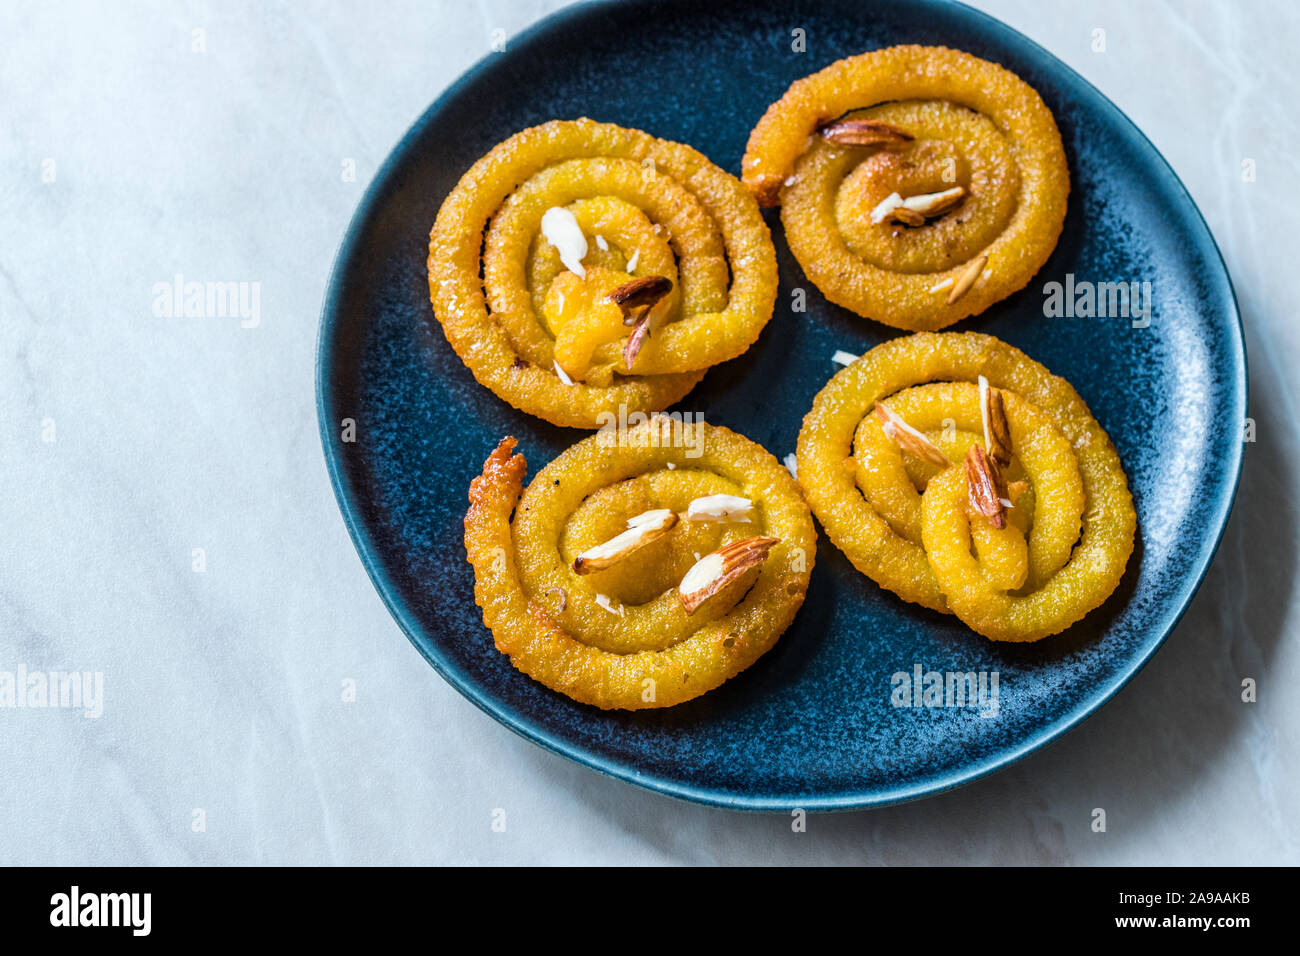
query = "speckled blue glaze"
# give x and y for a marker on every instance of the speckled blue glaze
(811, 724)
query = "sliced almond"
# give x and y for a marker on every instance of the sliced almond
(993, 414)
(721, 508)
(982, 481)
(908, 438)
(561, 229)
(716, 570)
(967, 278)
(844, 358)
(934, 204)
(857, 132)
(641, 530)
(639, 295)
(907, 217)
(636, 298)
(634, 341)
(915, 210)
(885, 207)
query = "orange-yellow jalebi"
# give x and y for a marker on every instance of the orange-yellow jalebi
(960, 122)
(515, 313)
(622, 637)
(908, 524)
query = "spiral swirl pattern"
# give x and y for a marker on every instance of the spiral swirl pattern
(652, 208)
(960, 122)
(620, 637)
(909, 524)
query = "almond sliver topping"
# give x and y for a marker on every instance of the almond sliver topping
(886, 206)
(716, 570)
(844, 358)
(915, 210)
(641, 530)
(908, 438)
(993, 415)
(932, 204)
(723, 508)
(908, 217)
(641, 293)
(636, 298)
(634, 341)
(561, 229)
(864, 133)
(967, 278)
(982, 480)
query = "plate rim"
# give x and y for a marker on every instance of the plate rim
(344, 495)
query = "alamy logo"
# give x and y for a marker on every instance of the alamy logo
(1102, 300)
(75, 908)
(926, 688)
(179, 299)
(68, 690)
(667, 430)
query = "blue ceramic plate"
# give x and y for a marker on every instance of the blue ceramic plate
(811, 724)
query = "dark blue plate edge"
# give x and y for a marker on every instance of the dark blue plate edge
(345, 494)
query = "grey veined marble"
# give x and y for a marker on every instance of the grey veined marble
(175, 565)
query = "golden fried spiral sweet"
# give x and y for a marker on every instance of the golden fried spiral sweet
(911, 524)
(932, 122)
(629, 634)
(648, 208)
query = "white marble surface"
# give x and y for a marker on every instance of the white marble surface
(222, 688)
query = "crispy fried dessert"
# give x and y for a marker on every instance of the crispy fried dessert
(580, 266)
(960, 474)
(642, 568)
(918, 185)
